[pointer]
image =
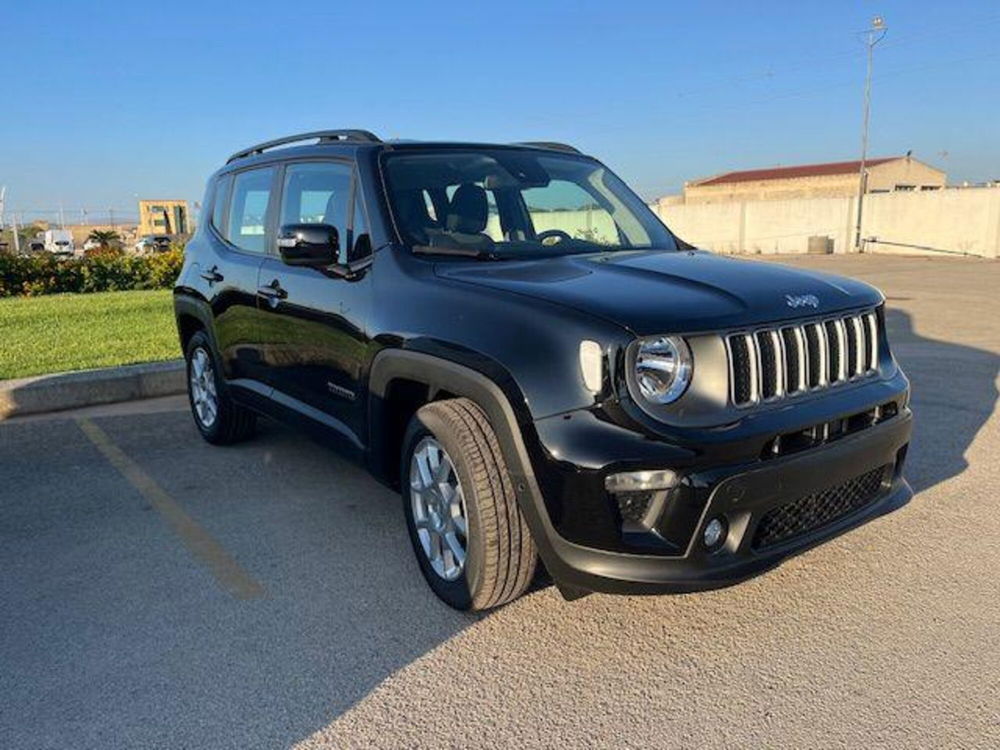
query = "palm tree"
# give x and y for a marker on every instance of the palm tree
(104, 237)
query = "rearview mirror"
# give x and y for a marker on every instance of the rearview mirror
(308, 244)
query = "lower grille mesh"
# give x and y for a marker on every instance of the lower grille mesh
(818, 509)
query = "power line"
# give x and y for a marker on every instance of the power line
(776, 71)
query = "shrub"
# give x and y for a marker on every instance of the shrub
(105, 270)
(164, 268)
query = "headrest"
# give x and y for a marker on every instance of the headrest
(469, 210)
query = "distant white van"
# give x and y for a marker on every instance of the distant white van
(59, 241)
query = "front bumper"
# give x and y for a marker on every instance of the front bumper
(743, 495)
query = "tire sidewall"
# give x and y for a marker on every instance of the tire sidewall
(461, 592)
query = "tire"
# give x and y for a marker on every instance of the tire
(500, 555)
(230, 422)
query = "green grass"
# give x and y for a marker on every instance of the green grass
(60, 332)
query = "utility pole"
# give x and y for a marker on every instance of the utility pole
(17, 239)
(3, 195)
(872, 37)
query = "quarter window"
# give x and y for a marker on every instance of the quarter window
(220, 201)
(248, 209)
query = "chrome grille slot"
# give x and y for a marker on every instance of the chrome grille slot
(835, 350)
(854, 356)
(796, 365)
(768, 364)
(816, 351)
(742, 370)
(871, 340)
(769, 351)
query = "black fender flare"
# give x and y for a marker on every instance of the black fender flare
(195, 306)
(444, 375)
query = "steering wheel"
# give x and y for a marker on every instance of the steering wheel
(553, 237)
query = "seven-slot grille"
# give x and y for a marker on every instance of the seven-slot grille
(772, 363)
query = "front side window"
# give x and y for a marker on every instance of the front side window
(317, 193)
(248, 208)
(513, 203)
(361, 242)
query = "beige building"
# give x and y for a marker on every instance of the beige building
(830, 180)
(163, 217)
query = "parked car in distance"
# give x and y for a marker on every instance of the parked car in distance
(59, 242)
(152, 243)
(510, 337)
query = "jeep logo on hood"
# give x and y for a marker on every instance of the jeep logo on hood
(801, 300)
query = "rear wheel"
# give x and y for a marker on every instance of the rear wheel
(218, 418)
(470, 538)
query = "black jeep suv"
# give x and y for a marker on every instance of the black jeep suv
(509, 335)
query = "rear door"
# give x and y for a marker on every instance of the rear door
(241, 218)
(313, 330)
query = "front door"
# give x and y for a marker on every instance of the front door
(313, 329)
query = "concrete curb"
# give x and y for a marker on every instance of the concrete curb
(71, 390)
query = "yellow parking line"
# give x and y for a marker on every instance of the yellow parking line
(229, 573)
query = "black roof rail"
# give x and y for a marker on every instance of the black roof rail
(555, 146)
(322, 136)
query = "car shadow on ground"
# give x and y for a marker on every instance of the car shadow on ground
(114, 633)
(345, 606)
(954, 393)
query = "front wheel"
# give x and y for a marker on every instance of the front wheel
(469, 535)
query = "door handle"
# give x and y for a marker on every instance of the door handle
(272, 292)
(212, 275)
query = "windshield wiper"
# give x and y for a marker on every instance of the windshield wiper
(463, 252)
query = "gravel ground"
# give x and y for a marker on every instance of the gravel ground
(160, 593)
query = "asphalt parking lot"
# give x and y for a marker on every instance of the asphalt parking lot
(157, 592)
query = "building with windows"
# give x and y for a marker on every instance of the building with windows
(163, 217)
(830, 180)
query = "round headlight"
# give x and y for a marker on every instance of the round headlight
(663, 369)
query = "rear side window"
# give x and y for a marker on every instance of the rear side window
(220, 200)
(248, 208)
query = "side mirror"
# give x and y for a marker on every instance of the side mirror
(308, 244)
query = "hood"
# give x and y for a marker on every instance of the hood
(651, 292)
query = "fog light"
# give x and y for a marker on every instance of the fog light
(715, 532)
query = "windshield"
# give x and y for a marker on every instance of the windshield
(510, 203)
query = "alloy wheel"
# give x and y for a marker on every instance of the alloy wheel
(203, 394)
(439, 512)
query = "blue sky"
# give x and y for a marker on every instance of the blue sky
(103, 102)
